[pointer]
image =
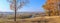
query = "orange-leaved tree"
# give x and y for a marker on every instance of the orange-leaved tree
(52, 6)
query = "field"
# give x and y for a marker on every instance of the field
(45, 19)
(27, 18)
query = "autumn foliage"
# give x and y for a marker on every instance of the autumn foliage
(51, 6)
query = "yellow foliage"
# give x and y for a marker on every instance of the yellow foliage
(51, 5)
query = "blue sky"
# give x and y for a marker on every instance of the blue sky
(33, 6)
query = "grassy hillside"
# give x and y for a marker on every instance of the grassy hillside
(47, 19)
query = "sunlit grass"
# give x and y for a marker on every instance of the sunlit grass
(51, 19)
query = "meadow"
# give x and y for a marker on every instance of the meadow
(27, 18)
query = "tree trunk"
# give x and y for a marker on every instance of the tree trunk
(49, 13)
(15, 11)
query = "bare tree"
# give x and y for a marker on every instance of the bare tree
(17, 4)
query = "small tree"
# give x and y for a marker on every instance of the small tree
(17, 4)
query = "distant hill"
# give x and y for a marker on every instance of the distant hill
(18, 12)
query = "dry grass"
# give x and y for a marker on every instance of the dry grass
(49, 19)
